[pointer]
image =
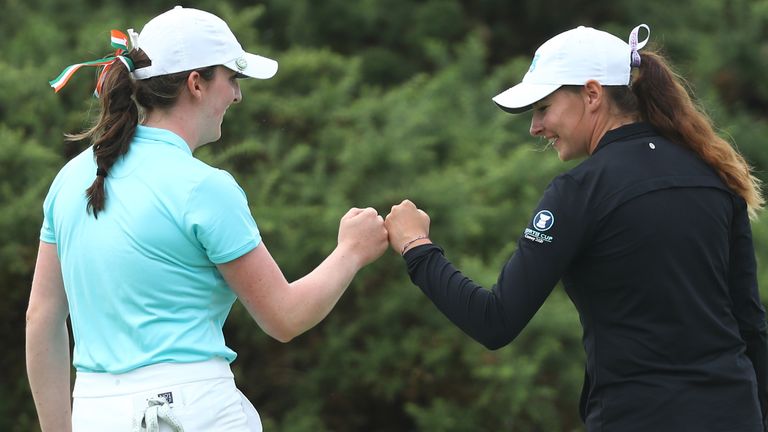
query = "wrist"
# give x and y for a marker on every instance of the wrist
(349, 255)
(416, 241)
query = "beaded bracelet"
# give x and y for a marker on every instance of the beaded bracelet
(408, 243)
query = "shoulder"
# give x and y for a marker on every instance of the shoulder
(217, 179)
(75, 168)
(83, 159)
(216, 188)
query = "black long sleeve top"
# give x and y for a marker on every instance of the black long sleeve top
(656, 254)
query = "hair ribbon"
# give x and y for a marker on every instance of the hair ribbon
(119, 41)
(635, 46)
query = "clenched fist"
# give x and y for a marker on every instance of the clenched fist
(362, 233)
(408, 226)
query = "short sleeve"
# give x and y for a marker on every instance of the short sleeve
(48, 231)
(217, 214)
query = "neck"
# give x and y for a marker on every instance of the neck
(176, 121)
(608, 123)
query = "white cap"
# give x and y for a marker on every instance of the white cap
(185, 39)
(572, 58)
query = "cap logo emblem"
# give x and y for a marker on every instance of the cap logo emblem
(241, 63)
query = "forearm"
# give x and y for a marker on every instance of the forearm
(492, 317)
(469, 306)
(314, 295)
(48, 369)
(285, 310)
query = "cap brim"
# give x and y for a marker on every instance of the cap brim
(521, 97)
(255, 66)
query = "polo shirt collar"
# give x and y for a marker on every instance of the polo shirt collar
(163, 135)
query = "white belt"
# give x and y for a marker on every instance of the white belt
(157, 409)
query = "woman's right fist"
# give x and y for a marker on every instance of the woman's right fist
(362, 233)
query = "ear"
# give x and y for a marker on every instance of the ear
(594, 94)
(194, 84)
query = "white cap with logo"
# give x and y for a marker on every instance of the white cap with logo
(185, 39)
(573, 58)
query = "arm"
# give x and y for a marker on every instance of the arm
(472, 308)
(494, 317)
(47, 345)
(285, 310)
(747, 308)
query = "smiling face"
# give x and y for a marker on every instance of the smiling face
(563, 119)
(222, 91)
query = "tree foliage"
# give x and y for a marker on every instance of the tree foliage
(374, 102)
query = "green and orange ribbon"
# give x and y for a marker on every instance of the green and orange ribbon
(119, 42)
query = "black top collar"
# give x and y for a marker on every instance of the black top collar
(624, 133)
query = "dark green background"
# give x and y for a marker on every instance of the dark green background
(375, 101)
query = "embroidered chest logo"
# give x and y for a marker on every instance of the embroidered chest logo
(543, 221)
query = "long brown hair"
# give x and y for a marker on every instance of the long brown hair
(661, 98)
(123, 102)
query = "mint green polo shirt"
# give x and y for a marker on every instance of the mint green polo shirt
(141, 280)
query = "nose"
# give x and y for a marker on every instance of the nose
(536, 127)
(238, 94)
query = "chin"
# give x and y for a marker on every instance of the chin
(213, 138)
(208, 140)
(568, 156)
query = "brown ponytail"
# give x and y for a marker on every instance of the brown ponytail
(663, 101)
(114, 130)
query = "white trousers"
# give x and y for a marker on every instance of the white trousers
(201, 396)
